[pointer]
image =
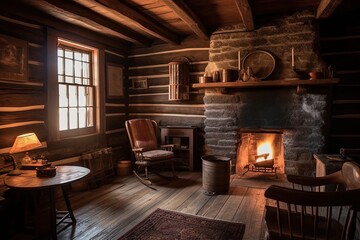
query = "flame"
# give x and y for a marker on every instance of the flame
(264, 148)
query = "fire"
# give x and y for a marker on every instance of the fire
(264, 149)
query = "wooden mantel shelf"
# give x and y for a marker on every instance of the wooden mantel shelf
(267, 83)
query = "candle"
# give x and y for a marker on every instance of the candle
(239, 60)
(292, 57)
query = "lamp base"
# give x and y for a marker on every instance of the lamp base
(15, 172)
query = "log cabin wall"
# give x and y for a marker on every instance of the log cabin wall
(151, 64)
(24, 104)
(340, 48)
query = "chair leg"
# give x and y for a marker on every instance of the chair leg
(144, 181)
(146, 173)
(173, 169)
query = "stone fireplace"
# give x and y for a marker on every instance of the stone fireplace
(299, 119)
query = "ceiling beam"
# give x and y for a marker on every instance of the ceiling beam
(326, 8)
(188, 16)
(143, 22)
(92, 19)
(245, 14)
(13, 10)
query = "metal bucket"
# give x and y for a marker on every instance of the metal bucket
(216, 174)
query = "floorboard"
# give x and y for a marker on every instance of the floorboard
(109, 211)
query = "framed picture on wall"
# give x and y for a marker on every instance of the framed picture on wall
(115, 80)
(13, 59)
(140, 83)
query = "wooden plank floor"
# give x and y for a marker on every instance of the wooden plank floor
(109, 211)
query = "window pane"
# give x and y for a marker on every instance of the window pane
(73, 118)
(82, 117)
(86, 81)
(63, 119)
(60, 78)
(69, 79)
(68, 53)
(86, 71)
(77, 56)
(90, 96)
(82, 96)
(77, 69)
(86, 57)
(60, 52)
(63, 99)
(78, 80)
(90, 116)
(69, 67)
(73, 100)
(60, 66)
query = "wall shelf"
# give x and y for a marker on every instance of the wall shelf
(267, 83)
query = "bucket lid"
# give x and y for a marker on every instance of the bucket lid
(215, 158)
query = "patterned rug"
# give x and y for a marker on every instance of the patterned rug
(165, 224)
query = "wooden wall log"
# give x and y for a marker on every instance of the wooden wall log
(168, 119)
(8, 135)
(23, 116)
(115, 108)
(36, 73)
(115, 121)
(20, 98)
(32, 33)
(197, 109)
(163, 98)
(74, 146)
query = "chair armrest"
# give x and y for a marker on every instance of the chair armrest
(333, 178)
(138, 150)
(167, 145)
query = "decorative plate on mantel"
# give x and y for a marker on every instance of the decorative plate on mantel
(262, 63)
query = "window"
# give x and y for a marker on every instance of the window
(77, 89)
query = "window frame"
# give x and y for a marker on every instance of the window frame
(78, 130)
(53, 89)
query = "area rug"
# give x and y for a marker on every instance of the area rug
(166, 224)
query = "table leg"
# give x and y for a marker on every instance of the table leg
(68, 205)
(53, 213)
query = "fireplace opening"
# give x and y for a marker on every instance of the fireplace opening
(260, 150)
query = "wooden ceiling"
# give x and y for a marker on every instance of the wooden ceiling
(145, 22)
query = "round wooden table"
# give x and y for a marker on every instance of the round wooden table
(64, 175)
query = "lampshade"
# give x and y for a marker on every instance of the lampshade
(25, 142)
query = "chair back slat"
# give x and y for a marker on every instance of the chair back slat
(302, 222)
(290, 219)
(279, 218)
(328, 225)
(316, 222)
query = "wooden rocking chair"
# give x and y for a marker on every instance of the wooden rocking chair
(306, 212)
(142, 134)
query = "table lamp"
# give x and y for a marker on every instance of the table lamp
(24, 143)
